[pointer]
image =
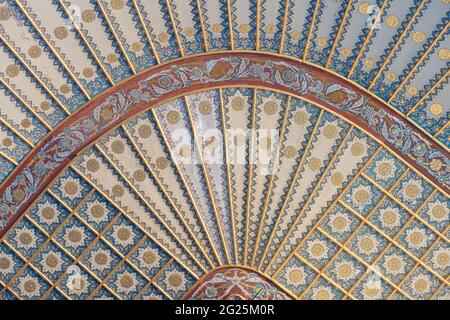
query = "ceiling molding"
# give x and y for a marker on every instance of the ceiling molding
(167, 81)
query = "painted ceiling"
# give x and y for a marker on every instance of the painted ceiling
(224, 149)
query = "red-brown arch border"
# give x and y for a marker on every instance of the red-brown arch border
(133, 82)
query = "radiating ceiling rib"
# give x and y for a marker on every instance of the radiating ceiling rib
(26, 265)
(77, 260)
(395, 243)
(153, 282)
(202, 25)
(320, 274)
(367, 38)
(150, 191)
(309, 180)
(397, 234)
(230, 24)
(311, 29)
(397, 43)
(297, 21)
(86, 43)
(125, 214)
(166, 194)
(174, 28)
(308, 200)
(291, 204)
(258, 24)
(401, 204)
(434, 296)
(410, 272)
(267, 131)
(7, 289)
(250, 174)
(363, 222)
(430, 91)
(330, 207)
(116, 37)
(186, 185)
(149, 206)
(208, 129)
(411, 50)
(419, 61)
(16, 148)
(327, 211)
(25, 104)
(388, 29)
(343, 248)
(23, 87)
(423, 104)
(124, 259)
(186, 19)
(272, 177)
(271, 25)
(327, 22)
(49, 238)
(339, 32)
(424, 77)
(216, 24)
(238, 121)
(442, 129)
(318, 213)
(291, 187)
(229, 251)
(147, 33)
(23, 43)
(284, 23)
(2, 154)
(17, 133)
(54, 51)
(19, 117)
(7, 166)
(35, 76)
(33, 130)
(392, 241)
(207, 179)
(127, 26)
(301, 122)
(243, 16)
(229, 181)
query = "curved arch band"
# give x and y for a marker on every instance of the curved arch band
(208, 71)
(236, 283)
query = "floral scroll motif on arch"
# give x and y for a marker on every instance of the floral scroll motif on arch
(215, 70)
(236, 283)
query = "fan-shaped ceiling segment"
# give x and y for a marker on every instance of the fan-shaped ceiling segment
(160, 83)
(305, 197)
(378, 68)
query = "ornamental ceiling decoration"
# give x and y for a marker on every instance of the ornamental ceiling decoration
(224, 149)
